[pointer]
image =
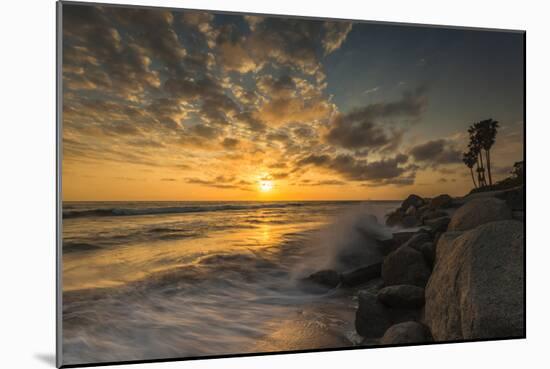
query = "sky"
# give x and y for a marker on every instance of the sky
(161, 104)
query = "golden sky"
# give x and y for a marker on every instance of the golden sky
(180, 105)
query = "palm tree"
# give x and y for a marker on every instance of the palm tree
(486, 130)
(469, 158)
(475, 148)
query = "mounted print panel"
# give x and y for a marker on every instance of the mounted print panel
(239, 184)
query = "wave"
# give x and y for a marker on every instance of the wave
(69, 247)
(110, 212)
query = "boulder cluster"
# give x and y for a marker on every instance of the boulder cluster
(416, 211)
(459, 276)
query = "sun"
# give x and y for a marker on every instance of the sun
(266, 185)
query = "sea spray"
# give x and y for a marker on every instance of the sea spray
(349, 242)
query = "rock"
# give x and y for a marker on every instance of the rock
(391, 244)
(479, 211)
(476, 290)
(402, 296)
(518, 215)
(409, 221)
(371, 318)
(412, 200)
(438, 224)
(361, 275)
(421, 210)
(399, 315)
(405, 266)
(411, 211)
(428, 251)
(441, 201)
(394, 218)
(432, 214)
(418, 239)
(326, 278)
(515, 198)
(445, 240)
(406, 332)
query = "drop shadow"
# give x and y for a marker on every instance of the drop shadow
(46, 358)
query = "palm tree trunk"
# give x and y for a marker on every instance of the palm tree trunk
(489, 166)
(473, 179)
(482, 181)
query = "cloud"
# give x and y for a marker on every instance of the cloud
(220, 182)
(371, 90)
(286, 110)
(230, 143)
(290, 43)
(335, 35)
(356, 135)
(279, 136)
(361, 128)
(436, 152)
(355, 169)
(95, 55)
(202, 21)
(233, 52)
(411, 105)
(326, 182)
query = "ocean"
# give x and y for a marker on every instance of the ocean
(147, 280)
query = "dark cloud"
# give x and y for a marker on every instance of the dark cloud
(276, 87)
(303, 131)
(279, 136)
(411, 105)
(230, 143)
(250, 121)
(361, 129)
(220, 182)
(436, 152)
(204, 131)
(355, 169)
(355, 135)
(97, 55)
(398, 182)
(280, 175)
(279, 165)
(327, 182)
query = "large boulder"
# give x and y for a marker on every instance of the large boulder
(391, 244)
(409, 221)
(361, 275)
(479, 211)
(371, 318)
(406, 332)
(405, 266)
(441, 201)
(515, 197)
(476, 290)
(412, 200)
(402, 296)
(418, 239)
(428, 250)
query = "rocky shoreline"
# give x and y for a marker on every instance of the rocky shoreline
(460, 276)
